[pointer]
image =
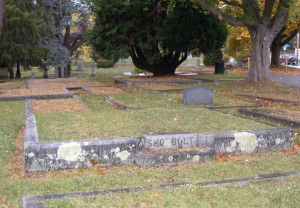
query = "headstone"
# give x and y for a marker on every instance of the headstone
(61, 71)
(32, 75)
(198, 62)
(79, 67)
(198, 95)
(92, 65)
(127, 73)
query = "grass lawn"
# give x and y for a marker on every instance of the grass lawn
(104, 121)
(279, 193)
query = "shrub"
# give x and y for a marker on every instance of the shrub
(105, 63)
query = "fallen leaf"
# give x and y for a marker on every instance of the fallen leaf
(3, 200)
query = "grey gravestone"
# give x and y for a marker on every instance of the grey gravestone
(198, 95)
(32, 75)
(92, 65)
(61, 70)
(198, 62)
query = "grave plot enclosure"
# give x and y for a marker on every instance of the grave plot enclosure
(54, 155)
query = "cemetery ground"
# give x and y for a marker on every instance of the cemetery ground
(86, 116)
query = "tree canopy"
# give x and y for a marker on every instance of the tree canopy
(158, 35)
(263, 19)
(23, 34)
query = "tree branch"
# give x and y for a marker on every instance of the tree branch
(219, 13)
(268, 9)
(279, 20)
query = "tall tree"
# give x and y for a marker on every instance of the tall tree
(263, 22)
(287, 33)
(22, 36)
(158, 35)
(2, 6)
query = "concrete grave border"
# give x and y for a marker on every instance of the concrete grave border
(37, 201)
(119, 80)
(68, 94)
(218, 80)
(270, 99)
(46, 156)
(265, 115)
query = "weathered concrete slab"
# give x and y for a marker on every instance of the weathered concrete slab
(198, 95)
(174, 157)
(254, 141)
(45, 156)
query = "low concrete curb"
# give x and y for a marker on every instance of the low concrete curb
(286, 121)
(68, 94)
(270, 99)
(127, 83)
(38, 200)
(115, 103)
(217, 80)
(45, 156)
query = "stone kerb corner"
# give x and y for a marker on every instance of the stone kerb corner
(45, 156)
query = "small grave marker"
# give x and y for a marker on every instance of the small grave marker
(127, 73)
(198, 95)
(32, 75)
(92, 65)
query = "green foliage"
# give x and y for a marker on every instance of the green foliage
(105, 63)
(23, 33)
(212, 56)
(156, 34)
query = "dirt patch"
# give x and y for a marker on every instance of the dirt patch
(15, 163)
(58, 105)
(286, 114)
(56, 80)
(106, 90)
(56, 85)
(160, 87)
(30, 92)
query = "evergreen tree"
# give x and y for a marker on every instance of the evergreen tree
(158, 35)
(23, 35)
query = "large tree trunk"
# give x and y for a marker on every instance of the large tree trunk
(18, 72)
(2, 7)
(260, 58)
(275, 58)
(165, 66)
